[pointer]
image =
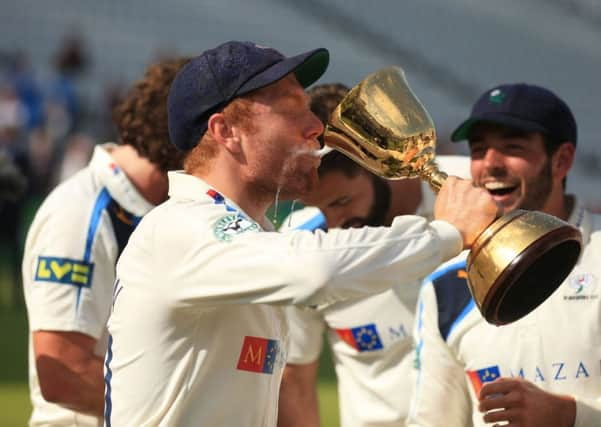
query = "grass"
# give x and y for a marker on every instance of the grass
(15, 407)
(14, 394)
(328, 403)
(14, 404)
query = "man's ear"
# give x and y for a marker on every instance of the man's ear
(223, 133)
(563, 159)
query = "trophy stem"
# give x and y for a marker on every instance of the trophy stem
(433, 176)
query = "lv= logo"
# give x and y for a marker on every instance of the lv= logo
(64, 270)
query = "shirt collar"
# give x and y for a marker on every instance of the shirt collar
(116, 181)
(581, 218)
(189, 187)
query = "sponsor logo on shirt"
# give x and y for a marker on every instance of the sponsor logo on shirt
(481, 376)
(231, 225)
(581, 286)
(397, 333)
(553, 371)
(64, 270)
(258, 355)
(558, 371)
(361, 338)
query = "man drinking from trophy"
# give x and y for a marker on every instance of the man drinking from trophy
(197, 328)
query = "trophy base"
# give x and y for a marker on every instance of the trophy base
(547, 258)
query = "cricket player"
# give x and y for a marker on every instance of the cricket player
(197, 330)
(71, 251)
(542, 370)
(369, 338)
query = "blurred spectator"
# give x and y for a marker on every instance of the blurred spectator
(12, 111)
(13, 152)
(22, 78)
(41, 158)
(61, 105)
(12, 181)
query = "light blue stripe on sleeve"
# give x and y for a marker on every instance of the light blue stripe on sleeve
(315, 223)
(102, 201)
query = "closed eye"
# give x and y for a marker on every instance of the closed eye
(342, 201)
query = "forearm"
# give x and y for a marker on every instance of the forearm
(298, 406)
(79, 386)
(305, 268)
(375, 258)
(69, 372)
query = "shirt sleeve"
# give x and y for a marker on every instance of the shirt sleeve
(440, 396)
(305, 340)
(71, 270)
(298, 267)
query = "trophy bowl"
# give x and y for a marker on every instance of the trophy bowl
(518, 261)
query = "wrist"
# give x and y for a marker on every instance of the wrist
(568, 410)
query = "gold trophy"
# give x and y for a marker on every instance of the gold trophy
(518, 261)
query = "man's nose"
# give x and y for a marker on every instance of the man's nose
(493, 158)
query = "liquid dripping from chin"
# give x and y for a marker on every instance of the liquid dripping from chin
(285, 171)
(290, 213)
(276, 205)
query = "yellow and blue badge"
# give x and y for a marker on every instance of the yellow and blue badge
(64, 270)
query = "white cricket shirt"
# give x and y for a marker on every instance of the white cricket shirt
(557, 347)
(198, 333)
(69, 264)
(370, 338)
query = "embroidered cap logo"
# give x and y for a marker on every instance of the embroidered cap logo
(496, 96)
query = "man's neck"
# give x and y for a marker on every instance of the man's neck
(148, 179)
(560, 205)
(565, 208)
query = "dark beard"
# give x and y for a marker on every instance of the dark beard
(540, 188)
(379, 209)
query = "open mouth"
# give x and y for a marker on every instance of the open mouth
(500, 188)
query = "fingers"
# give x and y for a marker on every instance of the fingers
(503, 415)
(469, 209)
(499, 386)
(497, 401)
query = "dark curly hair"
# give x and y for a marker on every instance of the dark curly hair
(325, 98)
(141, 117)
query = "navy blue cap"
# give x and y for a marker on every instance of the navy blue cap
(525, 107)
(207, 83)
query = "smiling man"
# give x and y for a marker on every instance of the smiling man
(542, 370)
